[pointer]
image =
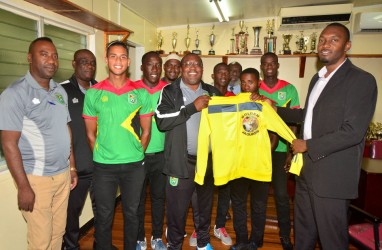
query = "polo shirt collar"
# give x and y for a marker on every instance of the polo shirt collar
(34, 84)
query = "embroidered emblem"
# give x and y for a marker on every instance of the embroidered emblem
(132, 98)
(174, 181)
(59, 97)
(104, 98)
(75, 100)
(35, 101)
(250, 123)
(281, 95)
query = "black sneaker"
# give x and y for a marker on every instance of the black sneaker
(252, 246)
(240, 246)
(285, 242)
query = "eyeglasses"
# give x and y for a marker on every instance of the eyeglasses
(84, 62)
(190, 64)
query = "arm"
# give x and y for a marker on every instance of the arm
(145, 122)
(168, 115)
(91, 132)
(25, 195)
(73, 169)
(274, 140)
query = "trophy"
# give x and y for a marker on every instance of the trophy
(212, 41)
(173, 42)
(197, 42)
(232, 40)
(270, 39)
(187, 41)
(241, 40)
(286, 48)
(300, 43)
(313, 42)
(256, 48)
(160, 43)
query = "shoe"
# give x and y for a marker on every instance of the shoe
(95, 246)
(222, 234)
(207, 247)
(157, 244)
(285, 242)
(193, 239)
(141, 245)
(240, 246)
(252, 246)
(228, 216)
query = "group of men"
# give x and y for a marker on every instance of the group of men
(82, 135)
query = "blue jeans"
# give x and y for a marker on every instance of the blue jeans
(107, 178)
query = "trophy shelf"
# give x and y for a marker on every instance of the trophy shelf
(302, 57)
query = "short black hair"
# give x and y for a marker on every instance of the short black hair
(270, 54)
(116, 43)
(150, 53)
(235, 63)
(80, 51)
(43, 38)
(188, 55)
(252, 71)
(340, 25)
(218, 65)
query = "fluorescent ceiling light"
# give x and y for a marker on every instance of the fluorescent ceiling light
(220, 10)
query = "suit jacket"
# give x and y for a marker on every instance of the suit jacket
(341, 117)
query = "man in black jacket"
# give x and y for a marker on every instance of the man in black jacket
(84, 64)
(178, 114)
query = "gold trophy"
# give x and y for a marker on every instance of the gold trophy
(241, 40)
(300, 43)
(173, 42)
(313, 42)
(187, 41)
(197, 42)
(212, 41)
(286, 48)
(270, 39)
(232, 40)
(160, 43)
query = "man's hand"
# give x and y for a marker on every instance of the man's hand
(201, 102)
(73, 179)
(258, 97)
(26, 198)
(288, 161)
(299, 146)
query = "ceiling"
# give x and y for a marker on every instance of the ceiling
(163, 13)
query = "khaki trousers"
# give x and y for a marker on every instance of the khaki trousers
(46, 224)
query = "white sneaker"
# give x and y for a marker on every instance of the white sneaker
(193, 239)
(157, 244)
(222, 234)
(141, 245)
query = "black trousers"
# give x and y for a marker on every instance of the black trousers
(178, 197)
(258, 199)
(157, 182)
(223, 205)
(76, 203)
(280, 191)
(319, 218)
(107, 178)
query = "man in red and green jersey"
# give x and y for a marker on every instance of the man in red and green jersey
(154, 158)
(118, 142)
(283, 94)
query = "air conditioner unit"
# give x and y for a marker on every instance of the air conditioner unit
(368, 22)
(313, 17)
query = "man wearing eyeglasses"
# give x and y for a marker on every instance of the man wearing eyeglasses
(84, 65)
(178, 114)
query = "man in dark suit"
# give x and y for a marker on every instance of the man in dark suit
(339, 106)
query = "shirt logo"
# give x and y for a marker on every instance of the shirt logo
(132, 98)
(174, 181)
(59, 97)
(104, 98)
(281, 95)
(35, 101)
(250, 123)
(75, 100)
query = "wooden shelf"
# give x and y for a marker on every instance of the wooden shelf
(77, 13)
(302, 58)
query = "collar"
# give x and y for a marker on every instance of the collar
(34, 84)
(324, 70)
